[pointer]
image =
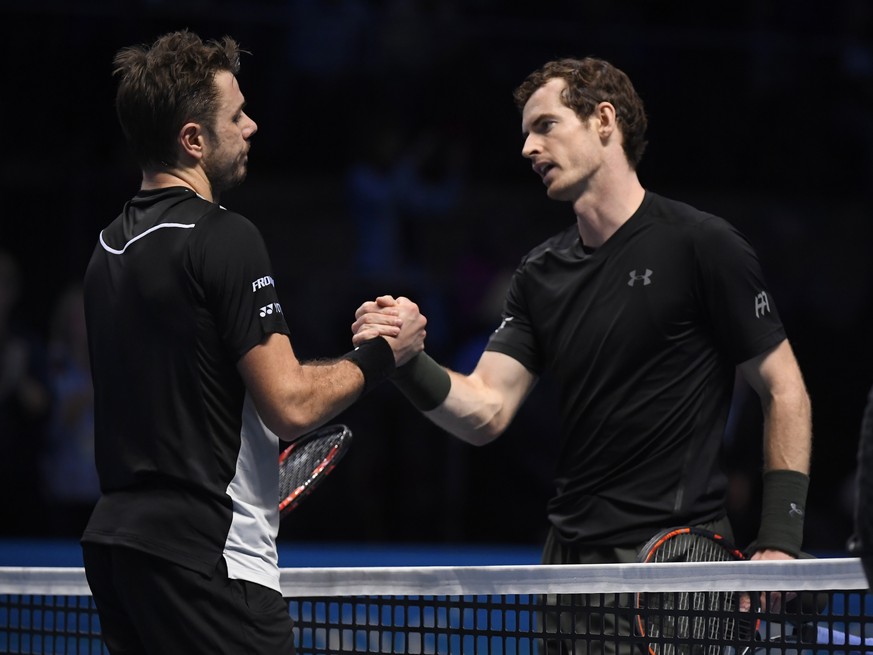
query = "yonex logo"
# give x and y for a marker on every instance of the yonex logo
(795, 511)
(272, 308)
(645, 277)
(262, 282)
(762, 304)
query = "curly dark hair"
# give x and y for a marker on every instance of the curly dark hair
(589, 82)
(164, 86)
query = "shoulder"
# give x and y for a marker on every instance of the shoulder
(560, 243)
(220, 219)
(226, 230)
(703, 228)
(680, 214)
(224, 239)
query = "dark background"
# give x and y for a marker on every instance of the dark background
(761, 112)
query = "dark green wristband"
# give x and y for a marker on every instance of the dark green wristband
(782, 511)
(423, 381)
(375, 358)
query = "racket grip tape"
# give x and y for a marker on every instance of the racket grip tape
(424, 382)
(375, 358)
(782, 512)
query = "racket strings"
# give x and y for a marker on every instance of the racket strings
(690, 616)
(305, 462)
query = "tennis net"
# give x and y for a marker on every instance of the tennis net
(807, 607)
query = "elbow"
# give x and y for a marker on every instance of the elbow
(491, 431)
(481, 433)
(290, 424)
(481, 437)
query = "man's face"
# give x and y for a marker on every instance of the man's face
(226, 158)
(564, 150)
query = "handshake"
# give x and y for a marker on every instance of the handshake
(398, 320)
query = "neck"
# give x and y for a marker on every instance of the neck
(178, 177)
(600, 212)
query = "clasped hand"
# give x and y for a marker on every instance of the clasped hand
(397, 319)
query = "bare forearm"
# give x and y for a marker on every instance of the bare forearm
(293, 398)
(470, 412)
(313, 393)
(788, 431)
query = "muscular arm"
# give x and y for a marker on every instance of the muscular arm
(291, 397)
(480, 406)
(776, 378)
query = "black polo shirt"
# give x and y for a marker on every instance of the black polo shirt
(177, 290)
(642, 336)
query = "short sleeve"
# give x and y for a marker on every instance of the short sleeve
(515, 335)
(233, 269)
(740, 306)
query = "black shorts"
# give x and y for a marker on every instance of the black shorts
(151, 606)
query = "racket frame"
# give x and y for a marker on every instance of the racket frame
(652, 547)
(325, 465)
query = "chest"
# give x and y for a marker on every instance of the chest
(634, 298)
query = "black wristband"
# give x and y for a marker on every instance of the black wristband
(375, 358)
(782, 511)
(424, 382)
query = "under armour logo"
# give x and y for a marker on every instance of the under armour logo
(762, 304)
(646, 277)
(795, 511)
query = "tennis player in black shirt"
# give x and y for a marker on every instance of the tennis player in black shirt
(194, 375)
(642, 311)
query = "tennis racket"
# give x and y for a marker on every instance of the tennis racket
(694, 621)
(306, 462)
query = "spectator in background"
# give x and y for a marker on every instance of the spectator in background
(24, 405)
(69, 475)
(404, 183)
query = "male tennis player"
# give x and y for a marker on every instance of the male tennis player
(195, 378)
(641, 310)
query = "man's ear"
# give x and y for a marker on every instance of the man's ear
(192, 140)
(605, 115)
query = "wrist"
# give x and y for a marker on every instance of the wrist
(375, 358)
(424, 382)
(783, 507)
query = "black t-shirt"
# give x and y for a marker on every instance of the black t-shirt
(642, 336)
(177, 290)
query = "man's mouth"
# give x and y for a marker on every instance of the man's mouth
(543, 169)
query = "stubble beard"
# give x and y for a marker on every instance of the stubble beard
(227, 176)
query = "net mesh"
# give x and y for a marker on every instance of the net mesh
(807, 607)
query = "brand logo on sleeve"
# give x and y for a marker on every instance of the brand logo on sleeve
(504, 323)
(262, 282)
(272, 308)
(762, 304)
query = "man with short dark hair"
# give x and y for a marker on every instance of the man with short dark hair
(195, 379)
(642, 311)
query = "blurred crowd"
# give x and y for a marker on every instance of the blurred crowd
(387, 161)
